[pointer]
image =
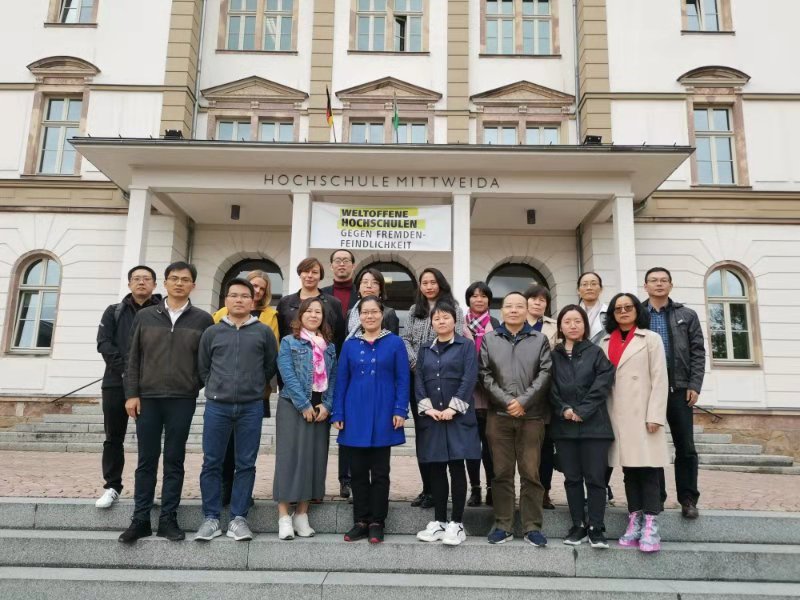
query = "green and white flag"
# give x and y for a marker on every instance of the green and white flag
(395, 118)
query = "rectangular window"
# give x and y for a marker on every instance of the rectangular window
(242, 25)
(537, 27)
(408, 25)
(233, 130)
(366, 133)
(371, 25)
(540, 135)
(702, 15)
(498, 135)
(714, 142)
(412, 133)
(500, 26)
(61, 122)
(271, 131)
(278, 25)
(76, 11)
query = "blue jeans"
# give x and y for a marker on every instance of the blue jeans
(220, 420)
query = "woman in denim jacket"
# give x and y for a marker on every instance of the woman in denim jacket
(307, 364)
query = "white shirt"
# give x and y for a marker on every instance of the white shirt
(174, 314)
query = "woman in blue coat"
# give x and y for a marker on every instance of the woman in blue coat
(370, 405)
(447, 370)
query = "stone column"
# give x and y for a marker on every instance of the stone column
(624, 243)
(136, 228)
(462, 207)
(301, 226)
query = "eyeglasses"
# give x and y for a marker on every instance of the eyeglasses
(624, 309)
(370, 313)
(174, 279)
(143, 279)
(341, 261)
(237, 296)
(665, 281)
(590, 284)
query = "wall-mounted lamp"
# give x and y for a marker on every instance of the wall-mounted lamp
(235, 212)
(531, 216)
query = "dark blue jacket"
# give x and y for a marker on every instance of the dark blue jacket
(372, 386)
(443, 380)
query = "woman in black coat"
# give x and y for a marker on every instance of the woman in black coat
(447, 370)
(582, 377)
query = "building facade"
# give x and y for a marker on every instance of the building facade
(484, 107)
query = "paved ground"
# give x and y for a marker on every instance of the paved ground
(78, 475)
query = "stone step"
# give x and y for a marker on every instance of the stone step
(754, 469)
(712, 438)
(403, 554)
(751, 449)
(768, 460)
(336, 517)
(146, 584)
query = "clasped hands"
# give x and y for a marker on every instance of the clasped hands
(441, 415)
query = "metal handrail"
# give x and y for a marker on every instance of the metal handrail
(715, 418)
(75, 390)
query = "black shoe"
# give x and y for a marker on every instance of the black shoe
(596, 537)
(168, 528)
(137, 529)
(417, 502)
(358, 532)
(489, 499)
(475, 497)
(547, 503)
(575, 536)
(375, 533)
(689, 509)
(427, 501)
(344, 490)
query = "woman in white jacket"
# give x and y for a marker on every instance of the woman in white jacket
(590, 287)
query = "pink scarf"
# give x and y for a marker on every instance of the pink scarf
(318, 346)
(477, 325)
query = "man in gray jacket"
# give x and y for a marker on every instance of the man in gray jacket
(515, 370)
(237, 359)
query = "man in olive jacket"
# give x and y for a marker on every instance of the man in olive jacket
(515, 370)
(161, 384)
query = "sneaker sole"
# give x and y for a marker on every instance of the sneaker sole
(286, 538)
(304, 535)
(208, 538)
(633, 544)
(573, 543)
(599, 545)
(536, 545)
(238, 538)
(433, 539)
(503, 541)
(454, 542)
(649, 548)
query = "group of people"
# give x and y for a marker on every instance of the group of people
(587, 392)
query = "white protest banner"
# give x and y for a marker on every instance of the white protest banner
(417, 228)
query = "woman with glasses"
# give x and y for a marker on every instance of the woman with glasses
(590, 287)
(370, 282)
(638, 410)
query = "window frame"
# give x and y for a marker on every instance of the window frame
(724, 18)
(64, 126)
(280, 14)
(390, 16)
(56, 8)
(236, 122)
(712, 135)
(368, 127)
(409, 125)
(751, 313)
(277, 124)
(15, 294)
(261, 13)
(519, 18)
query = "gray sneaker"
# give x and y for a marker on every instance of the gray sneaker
(239, 530)
(208, 530)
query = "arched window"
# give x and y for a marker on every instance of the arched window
(401, 286)
(243, 267)
(730, 316)
(512, 277)
(37, 300)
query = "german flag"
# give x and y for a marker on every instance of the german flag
(328, 109)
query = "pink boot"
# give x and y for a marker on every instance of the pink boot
(630, 539)
(651, 540)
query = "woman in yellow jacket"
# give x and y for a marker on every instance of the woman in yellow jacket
(269, 316)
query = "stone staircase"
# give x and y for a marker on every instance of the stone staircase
(67, 549)
(82, 431)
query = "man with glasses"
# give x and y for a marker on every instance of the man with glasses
(343, 263)
(237, 360)
(113, 336)
(679, 328)
(161, 384)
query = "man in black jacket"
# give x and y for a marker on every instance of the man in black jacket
(682, 335)
(161, 384)
(113, 336)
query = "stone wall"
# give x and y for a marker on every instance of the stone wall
(777, 433)
(29, 409)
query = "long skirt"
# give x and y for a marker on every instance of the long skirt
(301, 456)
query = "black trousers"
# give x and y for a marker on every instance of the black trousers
(585, 461)
(458, 485)
(370, 483)
(546, 460)
(642, 489)
(424, 468)
(115, 424)
(474, 465)
(680, 417)
(173, 417)
(344, 466)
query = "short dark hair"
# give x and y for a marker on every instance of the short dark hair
(600, 279)
(445, 307)
(181, 266)
(309, 263)
(297, 324)
(142, 268)
(378, 277)
(537, 290)
(657, 270)
(642, 316)
(242, 282)
(374, 299)
(514, 293)
(352, 256)
(579, 310)
(478, 286)
(421, 307)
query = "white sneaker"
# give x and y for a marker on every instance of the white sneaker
(107, 499)
(301, 526)
(454, 534)
(434, 532)
(285, 529)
